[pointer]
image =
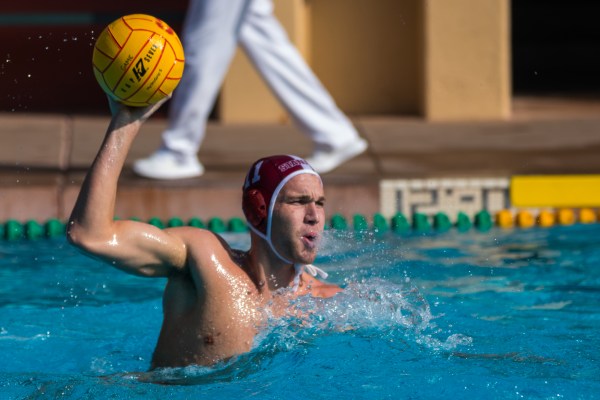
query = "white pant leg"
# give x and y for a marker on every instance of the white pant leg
(210, 37)
(289, 77)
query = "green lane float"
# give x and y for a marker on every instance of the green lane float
(359, 222)
(157, 222)
(31, 229)
(483, 220)
(421, 222)
(339, 222)
(380, 224)
(54, 228)
(12, 229)
(399, 223)
(175, 222)
(237, 225)
(441, 222)
(196, 223)
(463, 222)
(34, 230)
(217, 225)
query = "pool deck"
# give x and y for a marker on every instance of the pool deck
(43, 158)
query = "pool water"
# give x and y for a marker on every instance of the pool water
(501, 314)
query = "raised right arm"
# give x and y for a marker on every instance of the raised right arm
(134, 247)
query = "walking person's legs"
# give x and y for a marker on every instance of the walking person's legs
(298, 89)
(210, 37)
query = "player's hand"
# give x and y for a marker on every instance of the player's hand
(125, 115)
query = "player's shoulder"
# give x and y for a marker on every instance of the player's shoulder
(199, 238)
(206, 250)
(191, 232)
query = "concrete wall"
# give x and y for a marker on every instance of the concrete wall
(466, 59)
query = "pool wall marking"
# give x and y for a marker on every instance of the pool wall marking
(423, 205)
(534, 193)
(449, 196)
(555, 191)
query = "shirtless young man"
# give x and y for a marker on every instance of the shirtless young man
(214, 294)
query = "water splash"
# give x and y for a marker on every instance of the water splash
(375, 309)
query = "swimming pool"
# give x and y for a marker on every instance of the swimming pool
(501, 314)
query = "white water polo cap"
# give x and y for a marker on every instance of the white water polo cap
(263, 183)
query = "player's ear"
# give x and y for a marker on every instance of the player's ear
(254, 207)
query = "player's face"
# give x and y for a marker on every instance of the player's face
(299, 218)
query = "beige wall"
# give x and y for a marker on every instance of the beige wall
(366, 53)
(466, 59)
(439, 59)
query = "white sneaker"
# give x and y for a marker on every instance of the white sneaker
(324, 161)
(168, 165)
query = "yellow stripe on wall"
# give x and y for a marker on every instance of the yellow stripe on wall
(555, 191)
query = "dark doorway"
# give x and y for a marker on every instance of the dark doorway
(556, 47)
(45, 59)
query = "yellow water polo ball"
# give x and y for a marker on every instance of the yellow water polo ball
(138, 60)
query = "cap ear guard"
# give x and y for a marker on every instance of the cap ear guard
(255, 208)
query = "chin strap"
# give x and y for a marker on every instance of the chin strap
(311, 269)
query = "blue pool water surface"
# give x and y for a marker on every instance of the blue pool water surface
(501, 314)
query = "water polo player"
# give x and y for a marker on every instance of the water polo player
(214, 294)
